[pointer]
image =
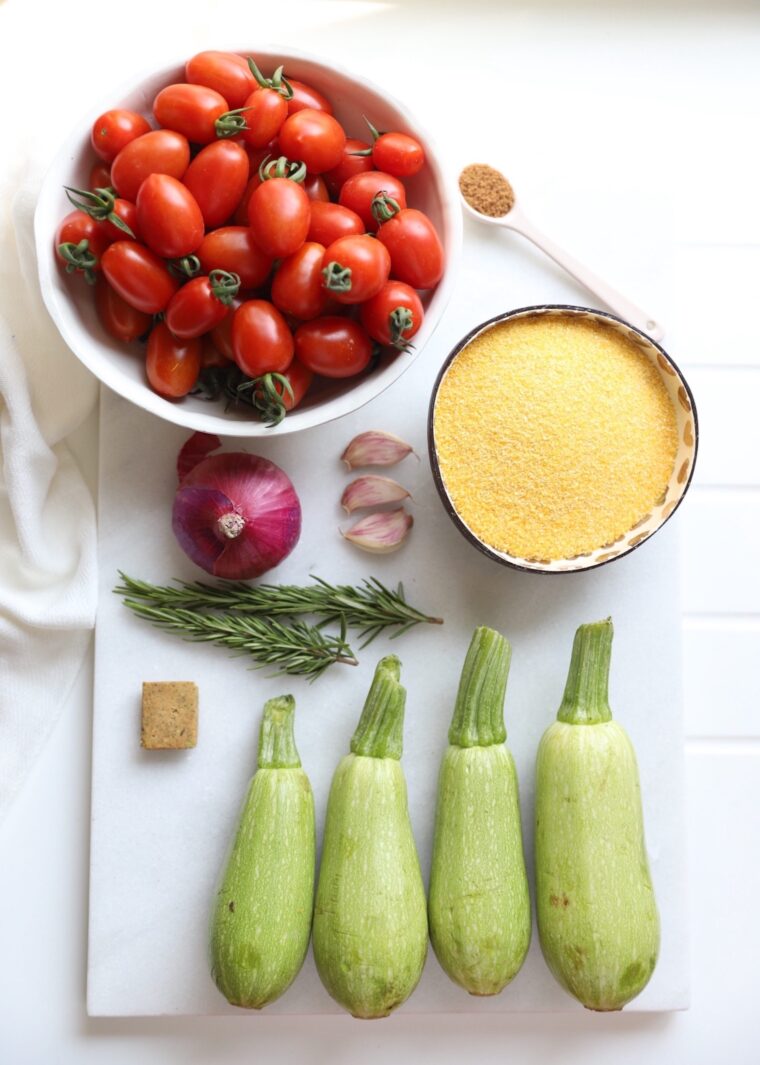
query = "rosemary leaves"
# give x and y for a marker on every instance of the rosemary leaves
(261, 620)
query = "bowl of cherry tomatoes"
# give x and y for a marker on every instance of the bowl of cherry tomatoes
(247, 243)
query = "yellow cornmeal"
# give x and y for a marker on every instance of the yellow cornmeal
(555, 436)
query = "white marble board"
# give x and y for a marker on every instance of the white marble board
(161, 822)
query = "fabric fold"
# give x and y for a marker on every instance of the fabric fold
(48, 566)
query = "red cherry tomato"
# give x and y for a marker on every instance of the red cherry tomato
(116, 218)
(225, 72)
(162, 151)
(240, 217)
(359, 191)
(127, 212)
(118, 317)
(355, 268)
(329, 221)
(138, 275)
(333, 346)
(100, 176)
(217, 178)
(299, 377)
(211, 355)
(201, 304)
(78, 226)
(416, 251)
(169, 218)
(266, 110)
(261, 340)
(315, 188)
(398, 154)
(221, 334)
(393, 315)
(278, 213)
(233, 248)
(256, 156)
(172, 365)
(313, 137)
(350, 164)
(297, 287)
(191, 110)
(113, 131)
(304, 96)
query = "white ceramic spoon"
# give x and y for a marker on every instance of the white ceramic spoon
(617, 302)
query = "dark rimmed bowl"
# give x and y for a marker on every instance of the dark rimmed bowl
(683, 467)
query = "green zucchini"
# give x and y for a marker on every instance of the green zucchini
(370, 921)
(597, 914)
(262, 916)
(479, 904)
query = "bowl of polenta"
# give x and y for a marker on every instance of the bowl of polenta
(560, 438)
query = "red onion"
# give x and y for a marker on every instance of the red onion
(235, 515)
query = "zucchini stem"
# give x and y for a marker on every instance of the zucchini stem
(277, 745)
(478, 719)
(380, 731)
(585, 701)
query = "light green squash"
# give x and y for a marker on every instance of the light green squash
(479, 904)
(597, 914)
(370, 922)
(262, 916)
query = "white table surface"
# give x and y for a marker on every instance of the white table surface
(625, 93)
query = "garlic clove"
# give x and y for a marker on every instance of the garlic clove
(375, 448)
(371, 491)
(380, 533)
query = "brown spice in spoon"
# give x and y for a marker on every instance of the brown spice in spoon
(486, 190)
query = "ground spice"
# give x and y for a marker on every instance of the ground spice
(555, 435)
(486, 190)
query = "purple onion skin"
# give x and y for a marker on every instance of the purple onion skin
(194, 450)
(233, 486)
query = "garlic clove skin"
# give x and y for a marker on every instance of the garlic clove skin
(380, 533)
(375, 448)
(371, 491)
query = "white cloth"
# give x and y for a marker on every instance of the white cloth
(48, 571)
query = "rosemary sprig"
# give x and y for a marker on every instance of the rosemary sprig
(296, 648)
(369, 607)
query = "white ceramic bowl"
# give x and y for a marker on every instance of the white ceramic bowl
(70, 301)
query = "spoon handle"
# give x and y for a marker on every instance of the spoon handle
(615, 300)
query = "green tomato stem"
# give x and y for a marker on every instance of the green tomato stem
(374, 132)
(78, 257)
(400, 321)
(187, 266)
(98, 204)
(337, 278)
(478, 719)
(278, 81)
(265, 399)
(282, 168)
(231, 123)
(384, 207)
(224, 285)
